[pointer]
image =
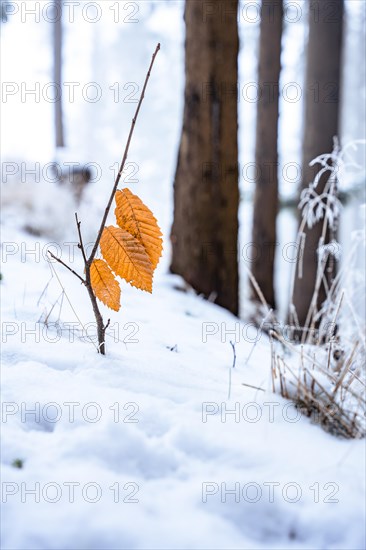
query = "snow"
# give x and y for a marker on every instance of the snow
(153, 416)
(157, 417)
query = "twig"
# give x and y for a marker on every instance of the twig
(101, 329)
(67, 267)
(254, 387)
(100, 325)
(99, 236)
(81, 245)
(234, 352)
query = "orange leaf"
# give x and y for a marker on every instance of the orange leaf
(104, 285)
(133, 216)
(127, 257)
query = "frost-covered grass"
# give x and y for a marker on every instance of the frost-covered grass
(325, 373)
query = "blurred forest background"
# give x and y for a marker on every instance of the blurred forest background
(244, 95)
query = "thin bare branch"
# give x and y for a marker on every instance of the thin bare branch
(81, 245)
(124, 158)
(67, 267)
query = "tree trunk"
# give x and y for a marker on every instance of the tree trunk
(266, 190)
(323, 80)
(57, 71)
(205, 228)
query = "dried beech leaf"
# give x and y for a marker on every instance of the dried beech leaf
(127, 257)
(106, 288)
(135, 218)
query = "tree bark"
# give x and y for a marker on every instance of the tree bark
(322, 101)
(206, 196)
(266, 157)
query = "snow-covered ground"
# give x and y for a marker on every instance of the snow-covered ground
(144, 448)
